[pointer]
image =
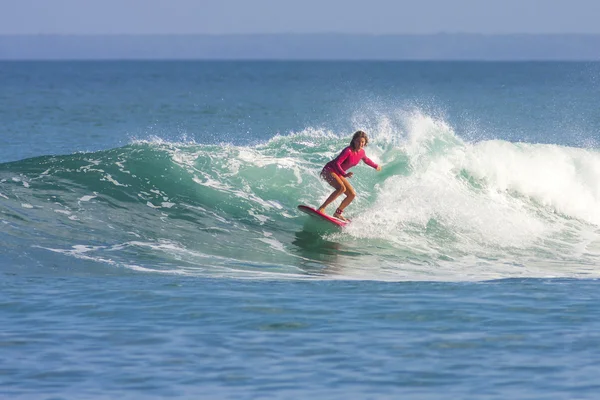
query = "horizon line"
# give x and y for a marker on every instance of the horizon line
(307, 34)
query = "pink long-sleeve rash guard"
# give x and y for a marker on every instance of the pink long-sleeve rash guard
(346, 160)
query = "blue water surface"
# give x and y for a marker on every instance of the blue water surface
(157, 337)
(150, 246)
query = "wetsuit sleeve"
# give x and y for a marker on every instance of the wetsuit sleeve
(369, 162)
(340, 159)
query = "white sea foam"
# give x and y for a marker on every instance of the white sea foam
(108, 177)
(65, 212)
(520, 206)
(88, 197)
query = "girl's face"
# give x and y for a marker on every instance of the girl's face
(359, 143)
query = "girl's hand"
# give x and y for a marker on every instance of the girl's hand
(349, 174)
(379, 168)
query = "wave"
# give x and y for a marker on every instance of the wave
(442, 207)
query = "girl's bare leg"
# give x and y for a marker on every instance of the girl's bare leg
(338, 183)
(341, 185)
(350, 195)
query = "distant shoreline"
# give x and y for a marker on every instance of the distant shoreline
(304, 47)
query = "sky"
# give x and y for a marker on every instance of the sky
(298, 16)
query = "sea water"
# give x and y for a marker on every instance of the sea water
(150, 245)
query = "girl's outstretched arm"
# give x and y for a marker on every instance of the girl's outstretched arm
(370, 163)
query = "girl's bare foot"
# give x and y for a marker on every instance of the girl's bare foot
(338, 215)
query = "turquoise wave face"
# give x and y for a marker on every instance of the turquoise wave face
(441, 208)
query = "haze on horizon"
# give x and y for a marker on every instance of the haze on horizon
(378, 17)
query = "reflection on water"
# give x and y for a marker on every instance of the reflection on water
(318, 255)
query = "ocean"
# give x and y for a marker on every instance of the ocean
(150, 244)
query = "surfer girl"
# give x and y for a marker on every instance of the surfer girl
(335, 172)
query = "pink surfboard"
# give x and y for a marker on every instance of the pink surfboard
(315, 213)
